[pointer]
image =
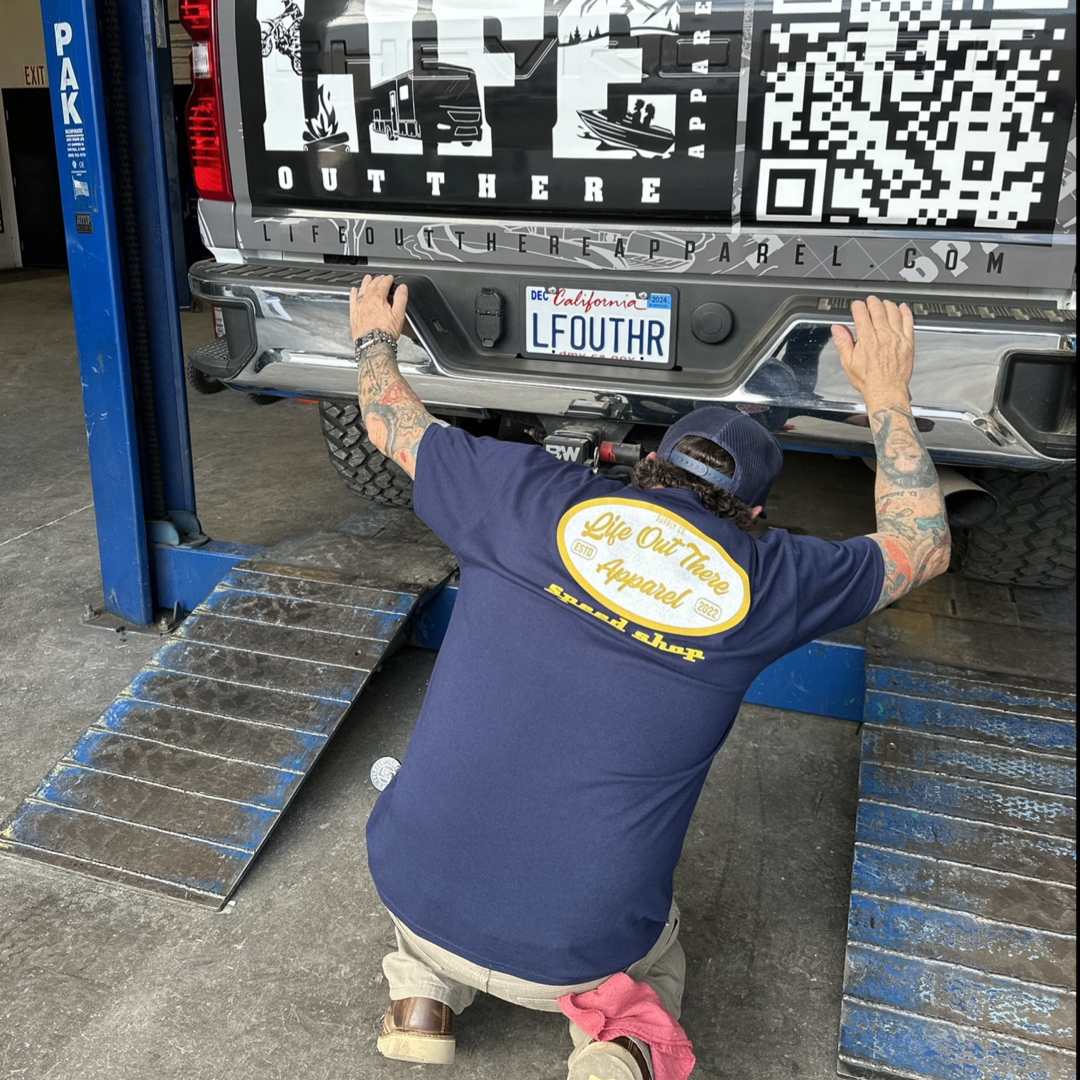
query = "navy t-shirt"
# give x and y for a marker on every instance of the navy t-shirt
(599, 649)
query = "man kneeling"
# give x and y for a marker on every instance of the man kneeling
(527, 845)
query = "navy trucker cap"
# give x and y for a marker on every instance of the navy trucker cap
(756, 453)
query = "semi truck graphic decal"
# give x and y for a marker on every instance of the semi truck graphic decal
(878, 113)
(442, 105)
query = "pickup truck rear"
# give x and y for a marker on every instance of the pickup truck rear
(611, 211)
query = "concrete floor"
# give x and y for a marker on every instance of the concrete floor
(102, 982)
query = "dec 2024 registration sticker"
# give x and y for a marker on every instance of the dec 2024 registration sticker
(653, 569)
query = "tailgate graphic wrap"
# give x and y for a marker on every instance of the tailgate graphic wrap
(593, 106)
(953, 114)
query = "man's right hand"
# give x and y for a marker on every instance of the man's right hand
(878, 361)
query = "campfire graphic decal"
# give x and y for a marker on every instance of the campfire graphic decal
(322, 129)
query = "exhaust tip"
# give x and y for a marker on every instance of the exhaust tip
(967, 502)
(968, 507)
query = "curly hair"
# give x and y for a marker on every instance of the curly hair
(655, 472)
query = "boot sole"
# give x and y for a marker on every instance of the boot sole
(425, 1048)
(604, 1061)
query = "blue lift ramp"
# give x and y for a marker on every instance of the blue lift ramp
(961, 955)
(177, 785)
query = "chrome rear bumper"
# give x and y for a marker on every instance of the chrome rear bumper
(299, 345)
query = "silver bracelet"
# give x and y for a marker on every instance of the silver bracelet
(375, 337)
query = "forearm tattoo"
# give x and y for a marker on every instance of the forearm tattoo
(394, 416)
(901, 455)
(912, 530)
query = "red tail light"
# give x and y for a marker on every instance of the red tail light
(205, 114)
(197, 17)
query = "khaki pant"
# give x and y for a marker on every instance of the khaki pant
(420, 969)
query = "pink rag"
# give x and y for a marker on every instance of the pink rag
(620, 1006)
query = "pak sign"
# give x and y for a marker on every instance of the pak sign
(74, 134)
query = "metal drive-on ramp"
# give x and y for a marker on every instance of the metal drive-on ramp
(177, 785)
(961, 957)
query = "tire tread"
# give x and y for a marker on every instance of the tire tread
(364, 470)
(1031, 541)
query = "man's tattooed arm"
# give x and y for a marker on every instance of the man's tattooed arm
(912, 529)
(394, 416)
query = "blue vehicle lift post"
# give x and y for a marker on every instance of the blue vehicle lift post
(117, 196)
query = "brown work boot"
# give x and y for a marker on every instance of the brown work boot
(418, 1029)
(620, 1059)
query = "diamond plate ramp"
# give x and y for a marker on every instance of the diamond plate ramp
(961, 956)
(177, 785)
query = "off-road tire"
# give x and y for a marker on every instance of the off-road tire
(364, 469)
(1031, 540)
(201, 383)
(264, 399)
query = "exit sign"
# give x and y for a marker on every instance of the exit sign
(35, 75)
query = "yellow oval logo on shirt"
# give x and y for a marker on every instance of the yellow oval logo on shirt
(653, 567)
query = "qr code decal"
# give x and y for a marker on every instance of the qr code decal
(912, 112)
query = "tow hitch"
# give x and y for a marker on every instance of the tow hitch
(586, 446)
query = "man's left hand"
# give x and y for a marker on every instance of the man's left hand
(371, 309)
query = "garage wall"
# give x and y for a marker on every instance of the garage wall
(22, 48)
(22, 63)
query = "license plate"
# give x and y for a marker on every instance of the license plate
(600, 325)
